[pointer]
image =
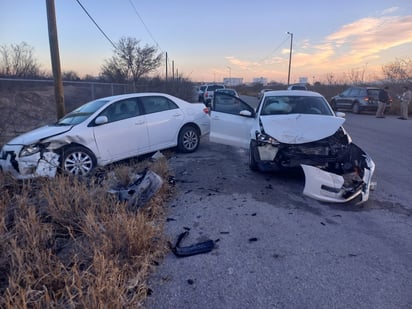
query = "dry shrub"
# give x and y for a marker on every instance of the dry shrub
(67, 243)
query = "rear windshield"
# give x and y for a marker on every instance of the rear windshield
(214, 87)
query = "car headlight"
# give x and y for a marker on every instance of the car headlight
(31, 149)
(266, 139)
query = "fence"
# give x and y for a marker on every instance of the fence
(26, 104)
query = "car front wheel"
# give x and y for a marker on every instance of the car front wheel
(253, 165)
(188, 139)
(78, 161)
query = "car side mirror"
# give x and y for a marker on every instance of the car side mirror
(101, 120)
(340, 114)
(245, 113)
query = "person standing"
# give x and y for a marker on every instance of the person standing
(406, 99)
(383, 100)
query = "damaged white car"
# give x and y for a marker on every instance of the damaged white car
(293, 129)
(104, 131)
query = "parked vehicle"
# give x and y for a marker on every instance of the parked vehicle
(209, 91)
(297, 87)
(229, 91)
(200, 93)
(106, 130)
(357, 99)
(292, 130)
(261, 92)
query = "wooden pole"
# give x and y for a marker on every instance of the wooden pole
(55, 58)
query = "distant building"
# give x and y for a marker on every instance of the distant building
(260, 80)
(303, 80)
(232, 81)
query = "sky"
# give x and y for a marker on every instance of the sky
(210, 40)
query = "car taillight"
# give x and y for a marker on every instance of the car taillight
(206, 110)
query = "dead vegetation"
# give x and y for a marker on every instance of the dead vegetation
(68, 243)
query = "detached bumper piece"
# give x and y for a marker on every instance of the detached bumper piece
(327, 186)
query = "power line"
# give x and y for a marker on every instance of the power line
(147, 29)
(84, 9)
(273, 51)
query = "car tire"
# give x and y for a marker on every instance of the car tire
(356, 108)
(188, 139)
(253, 165)
(78, 161)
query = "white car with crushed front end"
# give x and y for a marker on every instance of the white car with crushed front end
(104, 131)
(296, 129)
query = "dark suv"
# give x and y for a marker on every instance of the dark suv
(357, 99)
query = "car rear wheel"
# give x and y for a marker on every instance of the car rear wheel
(188, 139)
(355, 108)
(78, 161)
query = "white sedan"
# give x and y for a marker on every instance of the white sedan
(296, 129)
(104, 131)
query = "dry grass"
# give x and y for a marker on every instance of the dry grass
(67, 243)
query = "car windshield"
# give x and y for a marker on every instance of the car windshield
(81, 113)
(278, 105)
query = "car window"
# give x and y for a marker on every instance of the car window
(354, 92)
(228, 104)
(81, 113)
(374, 93)
(122, 110)
(155, 104)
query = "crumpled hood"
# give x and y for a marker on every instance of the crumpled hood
(38, 134)
(300, 128)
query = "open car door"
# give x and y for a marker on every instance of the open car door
(231, 120)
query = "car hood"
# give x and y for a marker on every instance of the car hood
(39, 134)
(300, 128)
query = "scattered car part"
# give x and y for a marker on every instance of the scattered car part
(201, 247)
(143, 187)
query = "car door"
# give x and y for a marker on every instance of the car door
(164, 120)
(125, 134)
(344, 101)
(231, 121)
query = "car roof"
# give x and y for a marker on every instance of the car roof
(292, 93)
(133, 95)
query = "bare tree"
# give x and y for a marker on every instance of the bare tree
(130, 62)
(70, 75)
(18, 61)
(398, 71)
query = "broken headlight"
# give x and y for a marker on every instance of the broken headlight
(32, 149)
(266, 139)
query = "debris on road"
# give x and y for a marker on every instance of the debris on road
(201, 247)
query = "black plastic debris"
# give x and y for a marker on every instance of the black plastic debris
(201, 247)
(140, 190)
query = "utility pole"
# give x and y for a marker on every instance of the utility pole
(290, 55)
(55, 58)
(166, 65)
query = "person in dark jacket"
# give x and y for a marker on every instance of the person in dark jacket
(383, 100)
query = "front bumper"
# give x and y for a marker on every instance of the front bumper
(40, 164)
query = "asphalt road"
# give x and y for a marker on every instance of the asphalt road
(276, 248)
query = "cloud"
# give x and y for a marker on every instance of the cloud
(352, 46)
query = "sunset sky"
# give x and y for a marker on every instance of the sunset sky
(210, 40)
